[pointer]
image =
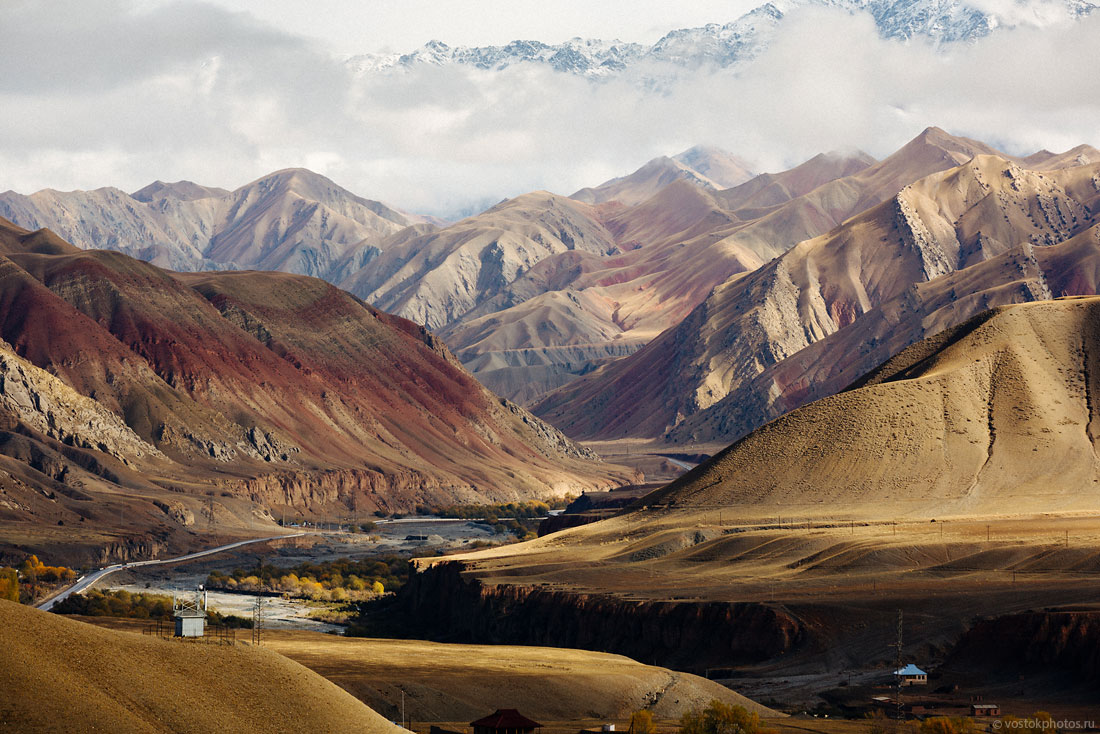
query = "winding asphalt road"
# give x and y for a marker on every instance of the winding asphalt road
(88, 579)
(682, 464)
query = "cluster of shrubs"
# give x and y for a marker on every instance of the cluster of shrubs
(123, 604)
(341, 580)
(24, 583)
(519, 518)
(721, 718)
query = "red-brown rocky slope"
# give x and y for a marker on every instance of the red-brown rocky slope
(277, 389)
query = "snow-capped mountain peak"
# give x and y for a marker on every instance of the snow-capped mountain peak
(730, 44)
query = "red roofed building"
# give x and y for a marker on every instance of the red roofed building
(505, 721)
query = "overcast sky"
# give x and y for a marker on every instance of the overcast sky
(122, 92)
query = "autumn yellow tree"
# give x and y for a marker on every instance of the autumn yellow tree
(948, 725)
(641, 722)
(720, 718)
(9, 584)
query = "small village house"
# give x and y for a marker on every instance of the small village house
(911, 675)
(985, 709)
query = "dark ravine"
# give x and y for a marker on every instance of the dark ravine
(1063, 642)
(440, 603)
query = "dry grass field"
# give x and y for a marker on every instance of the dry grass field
(62, 675)
(455, 684)
(443, 682)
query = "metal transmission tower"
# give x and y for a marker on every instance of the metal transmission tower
(897, 670)
(258, 612)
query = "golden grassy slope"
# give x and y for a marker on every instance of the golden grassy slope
(444, 682)
(61, 675)
(1002, 416)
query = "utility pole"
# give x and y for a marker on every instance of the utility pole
(209, 509)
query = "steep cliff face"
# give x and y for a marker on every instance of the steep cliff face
(439, 601)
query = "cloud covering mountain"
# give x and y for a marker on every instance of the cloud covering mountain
(123, 93)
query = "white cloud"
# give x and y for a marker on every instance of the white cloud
(219, 98)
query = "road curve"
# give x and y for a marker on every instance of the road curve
(682, 464)
(88, 579)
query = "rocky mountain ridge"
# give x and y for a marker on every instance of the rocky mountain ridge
(737, 361)
(292, 220)
(729, 44)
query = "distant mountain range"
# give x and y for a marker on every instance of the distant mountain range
(729, 44)
(292, 220)
(542, 289)
(974, 230)
(301, 222)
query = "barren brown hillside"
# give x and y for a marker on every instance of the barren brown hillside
(827, 366)
(275, 392)
(59, 675)
(672, 249)
(709, 168)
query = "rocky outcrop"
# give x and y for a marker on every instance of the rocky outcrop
(49, 406)
(439, 601)
(177, 512)
(917, 237)
(128, 549)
